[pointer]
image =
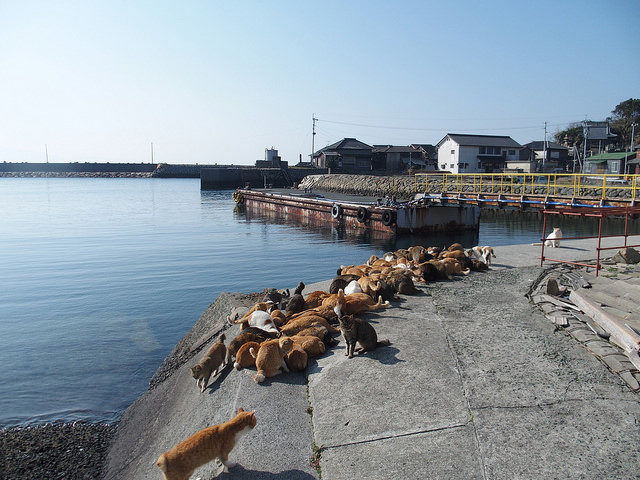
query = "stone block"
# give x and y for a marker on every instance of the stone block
(630, 380)
(583, 335)
(627, 256)
(601, 348)
(618, 362)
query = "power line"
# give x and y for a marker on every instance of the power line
(389, 127)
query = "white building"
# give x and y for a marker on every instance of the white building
(462, 153)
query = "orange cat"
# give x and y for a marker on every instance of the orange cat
(210, 363)
(306, 321)
(270, 358)
(297, 359)
(278, 317)
(314, 299)
(216, 441)
(244, 359)
(312, 345)
(353, 304)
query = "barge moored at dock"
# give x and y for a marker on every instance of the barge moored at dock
(416, 216)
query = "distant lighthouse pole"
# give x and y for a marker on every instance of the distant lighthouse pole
(46, 152)
(151, 152)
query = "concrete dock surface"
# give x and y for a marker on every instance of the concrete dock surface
(476, 383)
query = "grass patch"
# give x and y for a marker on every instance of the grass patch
(314, 460)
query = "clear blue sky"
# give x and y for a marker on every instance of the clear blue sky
(218, 82)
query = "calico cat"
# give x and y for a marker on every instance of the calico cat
(244, 359)
(212, 442)
(270, 358)
(356, 330)
(210, 363)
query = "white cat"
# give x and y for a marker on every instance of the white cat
(553, 239)
(353, 287)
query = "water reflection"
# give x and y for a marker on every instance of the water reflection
(386, 241)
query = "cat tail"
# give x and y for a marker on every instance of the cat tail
(381, 304)
(253, 352)
(383, 343)
(162, 463)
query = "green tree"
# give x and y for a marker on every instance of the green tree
(622, 117)
(571, 136)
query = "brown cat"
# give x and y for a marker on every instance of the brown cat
(270, 358)
(212, 442)
(210, 363)
(356, 330)
(244, 359)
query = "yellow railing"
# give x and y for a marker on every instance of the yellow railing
(623, 187)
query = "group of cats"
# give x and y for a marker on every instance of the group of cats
(283, 331)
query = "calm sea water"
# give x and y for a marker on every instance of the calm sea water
(101, 277)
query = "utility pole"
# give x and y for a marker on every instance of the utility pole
(544, 147)
(151, 152)
(46, 151)
(633, 132)
(585, 134)
(313, 136)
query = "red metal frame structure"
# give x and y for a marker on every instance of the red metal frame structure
(597, 212)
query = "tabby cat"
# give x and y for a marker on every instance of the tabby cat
(210, 363)
(355, 330)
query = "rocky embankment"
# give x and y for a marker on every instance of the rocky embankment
(402, 187)
(60, 450)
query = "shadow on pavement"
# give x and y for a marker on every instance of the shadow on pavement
(240, 472)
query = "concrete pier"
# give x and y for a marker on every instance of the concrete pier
(477, 383)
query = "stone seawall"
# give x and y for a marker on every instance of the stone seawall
(402, 187)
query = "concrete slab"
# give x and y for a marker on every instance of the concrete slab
(436, 454)
(411, 385)
(509, 354)
(569, 440)
(280, 444)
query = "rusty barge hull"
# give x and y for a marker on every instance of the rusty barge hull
(401, 219)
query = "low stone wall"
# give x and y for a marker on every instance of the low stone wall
(402, 187)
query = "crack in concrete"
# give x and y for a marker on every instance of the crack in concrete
(465, 392)
(551, 404)
(400, 435)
